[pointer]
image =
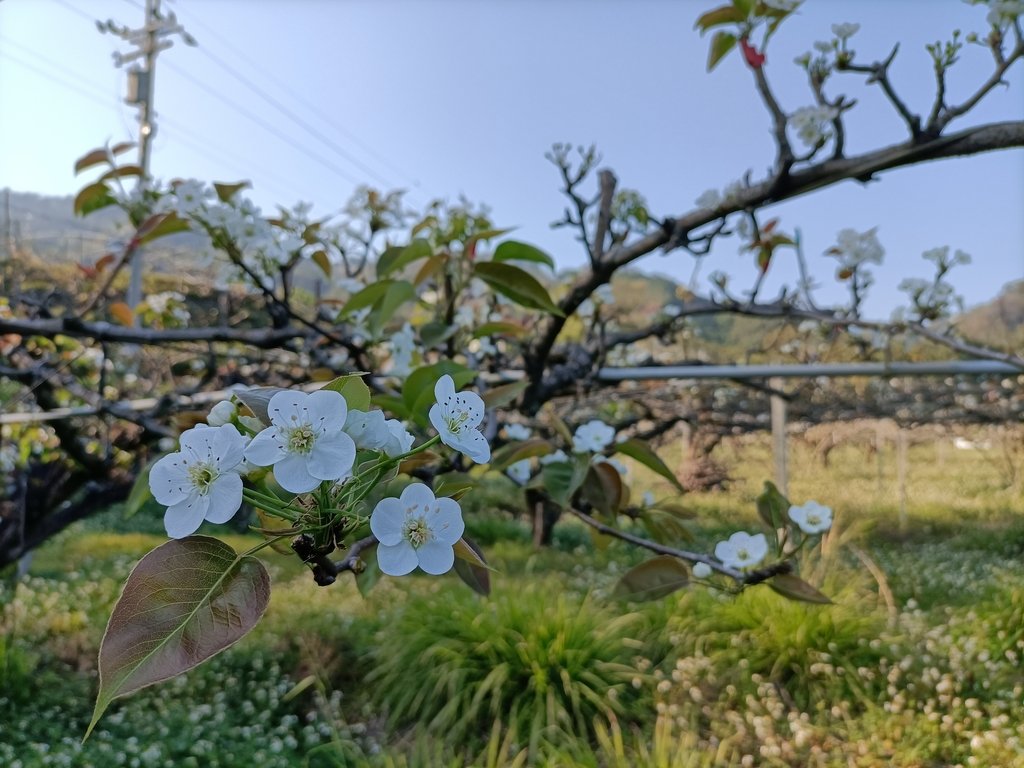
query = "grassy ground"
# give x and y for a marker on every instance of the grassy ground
(916, 665)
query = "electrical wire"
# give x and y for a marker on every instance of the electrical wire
(305, 103)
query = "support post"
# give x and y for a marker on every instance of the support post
(779, 445)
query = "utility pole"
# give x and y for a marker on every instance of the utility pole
(147, 41)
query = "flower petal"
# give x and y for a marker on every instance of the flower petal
(225, 497)
(228, 447)
(417, 498)
(435, 558)
(473, 443)
(436, 416)
(198, 440)
(288, 409)
(396, 560)
(332, 457)
(387, 520)
(184, 519)
(266, 448)
(293, 475)
(444, 390)
(473, 405)
(446, 522)
(169, 480)
(327, 410)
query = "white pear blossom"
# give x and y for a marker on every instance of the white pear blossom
(416, 529)
(742, 550)
(1002, 12)
(810, 124)
(594, 436)
(845, 30)
(456, 416)
(857, 248)
(710, 198)
(701, 570)
(557, 457)
(520, 471)
(400, 440)
(222, 413)
(403, 343)
(811, 517)
(305, 442)
(368, 429)
(201, 481)
(517, 432)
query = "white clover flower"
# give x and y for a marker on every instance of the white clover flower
(456, 416)
(517, 432)
(201, 481)
(222, 413)
(845, 30)
(368, 429)
(305, 442)
(400, 440)
(701, 570)
(742, 550)
(520, 471)
(416, 529)
(593, 437)
(557, 457)
(709, 198)
(811, 517)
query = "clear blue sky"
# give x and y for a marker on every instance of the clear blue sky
(462, 97)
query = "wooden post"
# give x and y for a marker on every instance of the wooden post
(901, 471)
(779, 452)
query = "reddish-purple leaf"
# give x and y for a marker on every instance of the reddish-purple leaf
(184, 602)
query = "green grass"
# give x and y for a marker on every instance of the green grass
(924, 669)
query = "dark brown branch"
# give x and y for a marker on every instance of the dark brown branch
(102, 331)
(607, 182)
(879, 73)
(940, 119)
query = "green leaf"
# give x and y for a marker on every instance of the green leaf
(433, 333)
(602, 487)
(140, 492)
(227, 191)
(366, 297)
(391, 404)
(121, 171)
(371, 573)
(184, 602)
(500, 329)
(721, 44)
(352, 387)
(92, 198)
(664, 527)
(508, 455)
(471, 567)
(454, 485)
(513, 250)
(725, 14)
(321, 259)
(795, 588)
(397, 258)
(643, 453)
(418, 389)
(160, 225)
(653, 579)
(394, 297)
(518, 285)
(773, 507)
(504, 394)
(562, 479)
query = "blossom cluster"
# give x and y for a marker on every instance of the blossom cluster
(315, 443)
(743, 551)
(811, 124)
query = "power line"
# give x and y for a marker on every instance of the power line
(58, 80)
(248, 114)
(289, 89)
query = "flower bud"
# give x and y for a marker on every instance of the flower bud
(222, 413)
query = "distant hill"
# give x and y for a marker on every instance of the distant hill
(998, 323)
(47, 227)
